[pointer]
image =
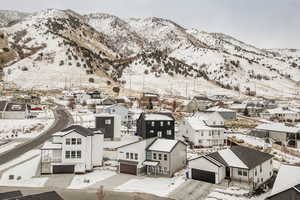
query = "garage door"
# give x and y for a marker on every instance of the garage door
(63, 169)
(128, 169)
(202, 175)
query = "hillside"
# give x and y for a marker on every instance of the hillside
(62, 48)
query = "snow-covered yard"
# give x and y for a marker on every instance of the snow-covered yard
(85, 180)
(8, 146)
(25, 128)
(156, 186)
(20, 171)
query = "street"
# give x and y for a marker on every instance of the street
(62, 119)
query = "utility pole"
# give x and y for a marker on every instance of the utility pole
(186, 90)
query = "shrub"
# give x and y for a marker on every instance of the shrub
(61, 63)
(91, 80)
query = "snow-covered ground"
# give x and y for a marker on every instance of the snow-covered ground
(8, 146)
(156, 186)
(20, 172)
(25, 128)
(86, 180)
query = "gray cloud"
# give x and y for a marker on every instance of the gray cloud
(263, 23)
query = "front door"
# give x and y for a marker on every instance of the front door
(227, 172)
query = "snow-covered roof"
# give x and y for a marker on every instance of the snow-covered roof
(238, 106)
(164, 145)
(198, 124)
(155, 116)
(280, 127)
(281, 110)
(150, 163)
(50, 145)
(288, 176)
(219, 109)
(231, 159)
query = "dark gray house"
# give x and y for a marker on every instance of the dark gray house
(109, 124)
(160, 125)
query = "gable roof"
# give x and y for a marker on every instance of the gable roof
(79, 129)
(163, 145)
(9, 195)
(240, 157)
(288, 177)
(42, 196)
(157, 116)
(278, 127)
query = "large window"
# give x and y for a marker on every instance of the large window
(73, 154)
(73, 140)
(78, 154)
(242, 172)
(159, 134)
(159, 156)
(68, 141)
(131, 156)
(152, 123)
(127, 155)
(136, 156)
(79, 141)
(161, 123)
(169, 132)
(107, 121)
(165, 157)
(67, 154)
(154, 156)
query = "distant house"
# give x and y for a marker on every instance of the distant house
(203, 131)
(73, 150)
(237, 163)
(156, 125)
(227, 114)
(116, 109)
(148, 97)
(287, 184)
(110, 124)
(283, 114)
(279, 132)
(152, 156)
(14, 110)
(198, 103)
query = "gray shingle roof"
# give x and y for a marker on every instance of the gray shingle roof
(79, 129)
(9, 195)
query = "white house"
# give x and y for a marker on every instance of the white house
(203, 130)
(116, 109)
(153, 156)
(227, 114)
(238, 163)
(73, 150)
(283, 114)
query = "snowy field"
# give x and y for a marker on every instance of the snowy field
(20, 171)
(86, 180)
(25, 128)
(157, 186)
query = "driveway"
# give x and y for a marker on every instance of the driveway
(192, 190)
(62, 120)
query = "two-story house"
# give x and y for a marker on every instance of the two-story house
(109, 124)
(116, 109)
(237, 163)
(72, 150)
(160, 125)
(152, 156)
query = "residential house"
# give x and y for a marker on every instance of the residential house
(238, 163)
(116, 109)
(156, 125)
(198, 103)
(14, 110)
(282, 114)
(149, 98)
(227, 114)
(72, 150)
(109, 124)
(279, 132)
(287, 184)
(202, 131)
(153, 156)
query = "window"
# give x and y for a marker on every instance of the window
(245, 173)
(169, 123)
(161, 123)
(131, 156)
(214, 123)
(255, 172)
(78, 154)
(159, 156)
(202, 133)
(73, 154)
(187, 132)
(260, 169)
(154, 156)
(159, 134)
(240, 172)
(165, 157)
(136, 156)
(169, 132)
(152, 123)
(107, 121)
(73, 140)
(151, 131)
(67, 154)
(271, 162)
(78, 140)
(68, 141)
(209, 133)
(270, 173)
(262, 180)
(127, 155)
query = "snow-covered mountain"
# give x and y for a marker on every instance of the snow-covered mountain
(58, 48)
(8, 17)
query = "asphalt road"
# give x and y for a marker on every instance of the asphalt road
(62, 120)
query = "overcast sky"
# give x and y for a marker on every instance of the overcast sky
(263, 23)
